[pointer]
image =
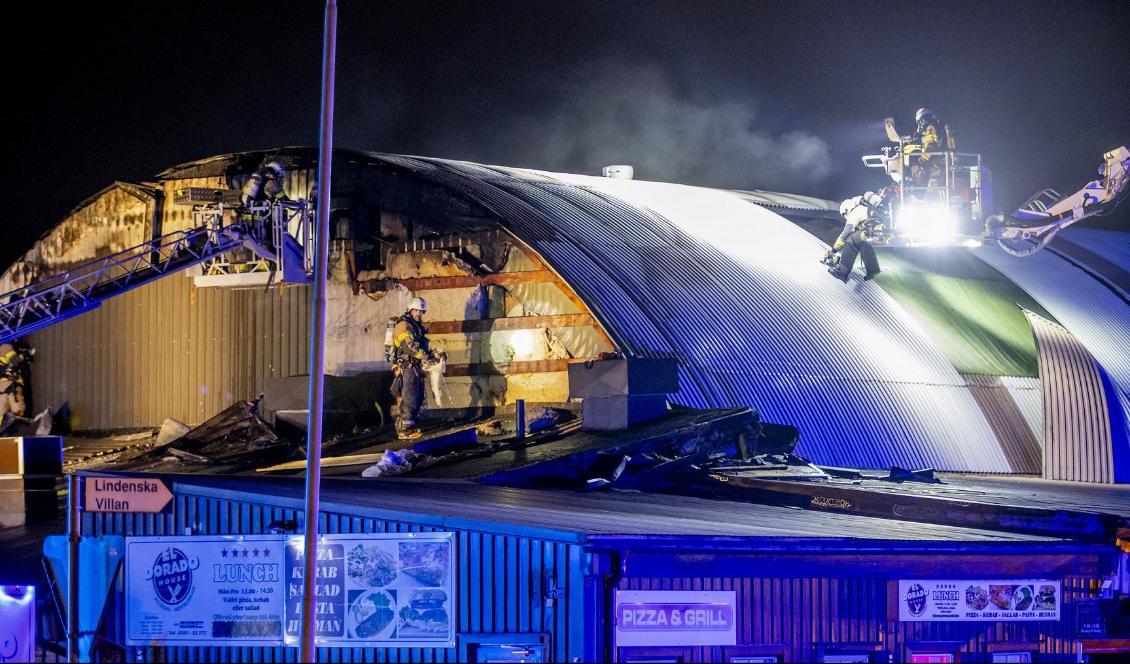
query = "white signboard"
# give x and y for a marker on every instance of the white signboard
(675, 618)
(17, 623)
(212, 590)
(393, 590)
(126, 494)
(979, 600)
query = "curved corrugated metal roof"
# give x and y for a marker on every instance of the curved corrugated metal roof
(734, 290)
(776, 199)
(1095, 314)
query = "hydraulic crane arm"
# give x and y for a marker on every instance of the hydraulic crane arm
(1032, 226)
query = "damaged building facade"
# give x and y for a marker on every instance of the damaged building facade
(958, 361)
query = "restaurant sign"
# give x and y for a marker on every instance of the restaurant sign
(953, 600)
(675, 618)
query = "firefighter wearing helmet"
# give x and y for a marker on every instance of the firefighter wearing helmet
(930, 135)
(411, 350)
(265, 185)
(861, 214)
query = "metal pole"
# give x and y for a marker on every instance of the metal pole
(318, 337)
(74, 535)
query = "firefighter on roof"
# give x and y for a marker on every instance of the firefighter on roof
(861, 213)
(411, 350)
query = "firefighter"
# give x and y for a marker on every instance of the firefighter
(859, 213)
(14, 359)
(264, 185)
(930, 135)
(411, 350)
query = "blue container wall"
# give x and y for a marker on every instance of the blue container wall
(505, 583)
(795, 617)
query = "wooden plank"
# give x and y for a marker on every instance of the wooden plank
(470, 281)
(519, 367)
(514, 323)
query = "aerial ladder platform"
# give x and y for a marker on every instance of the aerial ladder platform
(275, 236)
(954, 207)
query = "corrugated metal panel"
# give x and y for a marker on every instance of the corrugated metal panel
(790, 201)
(1028, 395)
(1077, 435)
(506, 583)
(969, 309)
(1105, 253)
(164, 351)
(802, 614)
(751, 315)
(1094, 314)
(1008, 422)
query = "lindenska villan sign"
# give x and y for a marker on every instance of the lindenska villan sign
(112, 494)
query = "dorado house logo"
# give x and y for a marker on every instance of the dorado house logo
(916, 599)
(171, 575)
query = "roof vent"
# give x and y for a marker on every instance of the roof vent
(622, 171)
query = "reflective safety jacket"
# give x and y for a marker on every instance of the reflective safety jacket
(928, 139)
(410, 340)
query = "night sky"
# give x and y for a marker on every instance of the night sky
(776, 95)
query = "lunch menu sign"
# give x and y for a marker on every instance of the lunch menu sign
(998, 600)
(380, 589)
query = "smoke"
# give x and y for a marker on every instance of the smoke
(635, 114)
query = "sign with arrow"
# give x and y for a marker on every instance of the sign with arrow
(126, 494)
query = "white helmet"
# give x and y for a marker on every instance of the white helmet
(276, 168)
(418, 303)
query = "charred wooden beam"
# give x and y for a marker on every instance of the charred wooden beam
(470, 281)
(514, 323)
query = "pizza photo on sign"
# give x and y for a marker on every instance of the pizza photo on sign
(425, 562)
(1001, 596)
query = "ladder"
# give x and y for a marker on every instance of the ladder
(62, 296)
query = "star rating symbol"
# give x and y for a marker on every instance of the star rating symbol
(223, 553)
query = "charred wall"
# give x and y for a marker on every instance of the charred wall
(168, 349)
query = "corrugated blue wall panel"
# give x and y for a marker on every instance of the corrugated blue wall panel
(796, 617)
